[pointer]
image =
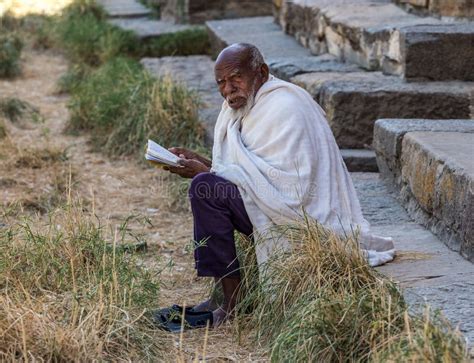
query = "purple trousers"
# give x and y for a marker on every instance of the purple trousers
(218, 210)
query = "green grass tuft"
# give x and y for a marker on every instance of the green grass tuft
(71, 80)
(16, 110)
(10, 53)
(186, 42)
(83, 32)
(124, 106)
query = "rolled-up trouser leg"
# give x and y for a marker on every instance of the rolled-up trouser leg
(218, 210)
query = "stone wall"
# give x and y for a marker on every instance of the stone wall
(448, 8)
(199, 11)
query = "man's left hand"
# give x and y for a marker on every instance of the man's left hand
(189, 168)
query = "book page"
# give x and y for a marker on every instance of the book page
(159, 155)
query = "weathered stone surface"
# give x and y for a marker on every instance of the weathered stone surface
(360, 160)
(197, 73)
(354, 101)
(431, 163)
(260, 31)
(365, 32)
(288, 67)
(427, 52)
(444, 8)
(282, 53)
(424, 266)
(437, 183)
(199, 11)
(124, 8)
(146, 28)
(452, 8)
(388, 136)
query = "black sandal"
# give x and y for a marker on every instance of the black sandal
(170, 319)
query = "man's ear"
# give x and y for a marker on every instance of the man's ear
(265, 71)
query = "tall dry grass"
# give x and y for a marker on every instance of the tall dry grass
(67, 293)
(322, 302)
(124, 106)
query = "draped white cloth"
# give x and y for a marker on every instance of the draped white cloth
(284, 159)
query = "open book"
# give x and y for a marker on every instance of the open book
(158, 155)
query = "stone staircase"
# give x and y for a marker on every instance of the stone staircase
(133, 16)
(378, 35)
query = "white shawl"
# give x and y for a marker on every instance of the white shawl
(284, 159)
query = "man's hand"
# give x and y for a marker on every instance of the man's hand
(188, 168)
(188, 154)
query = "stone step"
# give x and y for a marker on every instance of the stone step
(199, 11)
(354, 101)
(124, 8)
(431, 164)
(377, 34)
(424, 266)
(360, 160)
(197, 73)
(146, 28)
(282, 53)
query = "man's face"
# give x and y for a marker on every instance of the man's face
(236, 83)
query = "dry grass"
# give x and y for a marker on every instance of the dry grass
(123, 106)
(65, 294)
(322, 302)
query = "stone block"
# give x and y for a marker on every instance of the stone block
(146, 28)
(388, 136)
(427, 52)
(354, 101)
(452, 8)
(437, 182)
(200, 11)
(124, 8)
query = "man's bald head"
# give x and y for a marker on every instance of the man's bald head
(244, 53)
(240, 72)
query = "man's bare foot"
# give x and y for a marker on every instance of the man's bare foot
(208, 305)
(219, 316)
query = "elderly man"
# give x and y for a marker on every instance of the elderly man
(274, 155)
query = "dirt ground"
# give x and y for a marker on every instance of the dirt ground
(115, 190)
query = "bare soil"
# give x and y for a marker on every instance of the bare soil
(114, 190)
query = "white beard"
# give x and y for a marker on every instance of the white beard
(244, 110)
